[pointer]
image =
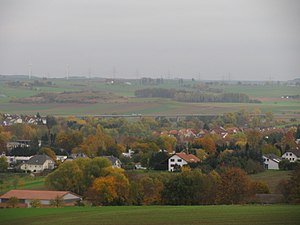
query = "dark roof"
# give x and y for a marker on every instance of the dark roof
(112, 159)
(38, 159)
(273, 157)
(295, 151)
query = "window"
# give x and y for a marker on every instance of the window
(172, 160)
(268, 160)
(266, 166)
(290, 154)
(179, 160)
(286, 154)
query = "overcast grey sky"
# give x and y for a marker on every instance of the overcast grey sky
(210, 39)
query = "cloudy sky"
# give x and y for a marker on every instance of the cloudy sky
(202, 39)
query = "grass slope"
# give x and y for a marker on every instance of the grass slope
(272, 178)
(21, 181)
(164, 215)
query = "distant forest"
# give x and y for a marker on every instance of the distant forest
(193, 96)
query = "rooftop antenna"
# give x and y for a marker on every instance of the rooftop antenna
(29, 71)
(68, 71)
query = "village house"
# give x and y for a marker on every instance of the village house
(292, 155)
(271, 161)
(115, 162)
(18, 144)
(37, 164)
(176, 161)
(26, 197)
(15, 160)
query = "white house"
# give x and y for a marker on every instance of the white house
(292, 155)
(13, 160)
(37, 164)
(178, 160)
(271, 161)
(115, 162)
(25, 197)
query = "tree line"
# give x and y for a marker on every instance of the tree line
(101, 184)
(195, 96)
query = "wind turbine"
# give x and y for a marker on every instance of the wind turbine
(29, 71)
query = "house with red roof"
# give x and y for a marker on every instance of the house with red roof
(25, 197)
(176, 161)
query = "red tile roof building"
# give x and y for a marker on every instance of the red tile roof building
(26, 196)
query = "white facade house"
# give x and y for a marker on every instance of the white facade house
(292, 155)
(115, 162)
(38, 163)
(176, 161)
(271, 161)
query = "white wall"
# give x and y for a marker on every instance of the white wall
(175, 160)
(290, 156)
(271, 164)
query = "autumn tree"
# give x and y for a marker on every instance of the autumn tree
(109, 190)
(22, 131)
(288, 140)
(69, 140)
(206, 143)
(270, 149)
(50, 123)
(234, 187)
(58, 201)
(93, 145)
(291, 188)
(168, 143)
(12, 202)
(4, 138)
(3, 164)
(150, 188)
(77, 175)
(254, 139)
(35, 203)
(187, 188)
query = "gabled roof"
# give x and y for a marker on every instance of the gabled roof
(112, 159)
(34, 194)
(272, 157)
(295, 151)
(38, 160)
(190, 158)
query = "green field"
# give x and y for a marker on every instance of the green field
(269, 95)
(158, 215)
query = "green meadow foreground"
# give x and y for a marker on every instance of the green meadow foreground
(164, 215)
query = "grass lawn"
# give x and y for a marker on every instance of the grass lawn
(272, 178)
(164, 215)
(21, 181)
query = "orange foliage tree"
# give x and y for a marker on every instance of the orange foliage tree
(109, 190)
(93, 144)
(208, 144)
(234, 187)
